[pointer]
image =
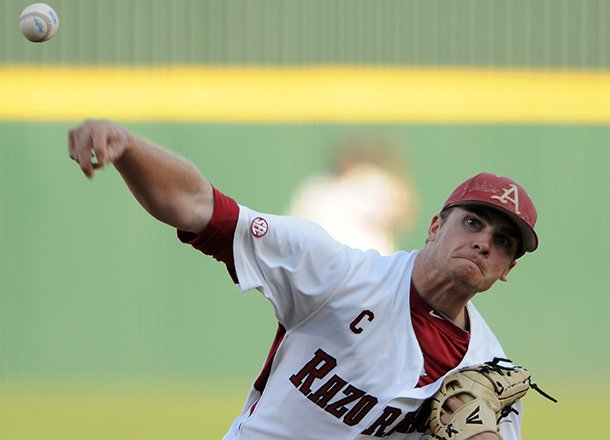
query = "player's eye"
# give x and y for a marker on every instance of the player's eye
(472, 222)
(503, 240)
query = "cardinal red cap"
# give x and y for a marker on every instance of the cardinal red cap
(505, 195)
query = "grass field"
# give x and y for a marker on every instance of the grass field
(116, 415)
(206, 413)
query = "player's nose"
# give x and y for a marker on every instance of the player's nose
(482, 242)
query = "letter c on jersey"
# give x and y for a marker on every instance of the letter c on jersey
(354, 326)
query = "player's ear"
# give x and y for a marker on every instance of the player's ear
(435, 224)
(510, 267)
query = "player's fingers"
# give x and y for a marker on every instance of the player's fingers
(452, 404)
(84, 149)
(71, 144)
(99, 139)
(85, 164)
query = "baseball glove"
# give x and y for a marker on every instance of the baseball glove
(488, 391)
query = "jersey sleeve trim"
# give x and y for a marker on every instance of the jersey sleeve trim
(217, 238)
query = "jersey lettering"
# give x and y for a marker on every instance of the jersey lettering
(327, 391)
(364, 314)
(317, 368)
(416, 421)
(361, 409)
(310, 372)
(338, 409)
(389, 416)
(354, 403)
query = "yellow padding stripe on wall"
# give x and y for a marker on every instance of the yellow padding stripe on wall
(317, 94)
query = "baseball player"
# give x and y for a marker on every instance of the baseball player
(365, 342)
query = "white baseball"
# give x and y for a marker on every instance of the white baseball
(38, 22)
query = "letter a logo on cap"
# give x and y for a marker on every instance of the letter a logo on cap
(506, 197)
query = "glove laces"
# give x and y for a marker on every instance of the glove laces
(502, 370)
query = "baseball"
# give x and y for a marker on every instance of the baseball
(38, 22)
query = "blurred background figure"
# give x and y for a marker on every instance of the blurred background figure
(366, 200)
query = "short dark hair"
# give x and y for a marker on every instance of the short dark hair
(444, 214)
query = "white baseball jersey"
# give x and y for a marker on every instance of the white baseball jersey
(349, 362)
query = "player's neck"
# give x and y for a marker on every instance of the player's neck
(441, 293)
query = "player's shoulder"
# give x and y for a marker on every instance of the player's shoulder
(382, 269)
(291, 234)
(400, 257)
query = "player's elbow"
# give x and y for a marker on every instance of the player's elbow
(198, 216)
(186, 212)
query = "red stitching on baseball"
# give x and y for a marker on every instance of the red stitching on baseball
(45, 18)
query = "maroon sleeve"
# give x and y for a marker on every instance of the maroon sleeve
(216, 239)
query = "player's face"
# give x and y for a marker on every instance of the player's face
(473, 245)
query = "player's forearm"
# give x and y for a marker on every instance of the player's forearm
(167, 186)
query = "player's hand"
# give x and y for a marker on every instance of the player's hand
(96, 143)
(453, 404)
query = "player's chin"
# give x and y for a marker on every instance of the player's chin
(469, 272)
(474, 281)
(485, 283)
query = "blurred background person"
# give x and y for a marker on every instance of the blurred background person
(367, 199)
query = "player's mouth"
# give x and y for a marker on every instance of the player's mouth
(473, 261)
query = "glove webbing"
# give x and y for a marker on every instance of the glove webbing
(502, 370)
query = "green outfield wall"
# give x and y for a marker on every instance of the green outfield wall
(509, 33)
